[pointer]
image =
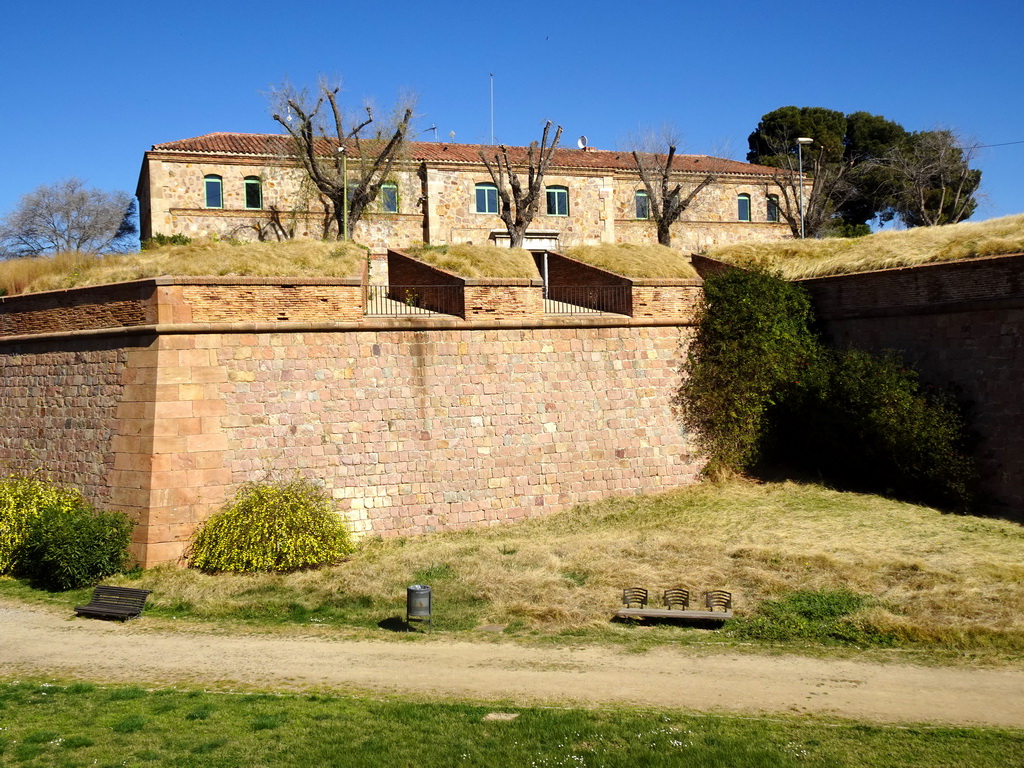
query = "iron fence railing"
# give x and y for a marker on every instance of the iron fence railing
(588, 299)
(398, 300)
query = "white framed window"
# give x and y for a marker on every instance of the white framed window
(389, 197)
(214, 190)
(253, 193)
(743, 207)
(486, 198)
(558, 201)
(773, 208)
(643, 204)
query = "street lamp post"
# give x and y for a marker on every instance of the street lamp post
(800, 153)
(344, 192)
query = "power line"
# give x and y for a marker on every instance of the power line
(986, 146)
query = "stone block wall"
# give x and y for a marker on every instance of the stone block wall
(421, 430)
(962, 325)
(412, 425)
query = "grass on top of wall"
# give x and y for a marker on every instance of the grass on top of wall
(925, 579)
(795, 259)
(294, 258)
(477, 261)
(640, 261)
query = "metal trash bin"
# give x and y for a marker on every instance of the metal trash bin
(418, 605)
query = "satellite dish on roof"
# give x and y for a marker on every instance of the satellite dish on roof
(582, 142)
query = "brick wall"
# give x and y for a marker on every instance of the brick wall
(960, 324)
(103, 306)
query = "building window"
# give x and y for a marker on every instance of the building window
(773, 208)
(214, 191)
(743, 212)
(253, 193)
(389, 198)
(486, 198)
(643, 205)
(558, 201)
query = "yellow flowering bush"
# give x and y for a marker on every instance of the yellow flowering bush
(22, 497)
(280, 526)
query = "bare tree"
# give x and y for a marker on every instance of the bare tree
(665, 190)
(68, 216)
(518, 205)
(343, 159)
(933, 181)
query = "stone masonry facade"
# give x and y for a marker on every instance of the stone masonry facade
(436, 197)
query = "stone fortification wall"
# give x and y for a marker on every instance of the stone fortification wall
(60, 402)
(419, 430)
(961, 324)
(411, 425)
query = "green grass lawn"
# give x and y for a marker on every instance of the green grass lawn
(47, 724)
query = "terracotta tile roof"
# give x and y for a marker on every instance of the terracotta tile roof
(277, 145)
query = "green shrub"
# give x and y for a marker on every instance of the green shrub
(754, 340)
(70, 546)
(822, 616)
(21, 499)
(871, 424)
(763, 391)
(281, 526)
(158, 240)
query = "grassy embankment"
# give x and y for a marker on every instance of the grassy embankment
(296, 258)
(850, 570)
(796, 259)
(82, 724)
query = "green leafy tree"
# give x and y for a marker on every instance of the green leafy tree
(846, 185)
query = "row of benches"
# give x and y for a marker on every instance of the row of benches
(676, 601)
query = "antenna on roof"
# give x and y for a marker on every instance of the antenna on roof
(451, 136)
(582, 142)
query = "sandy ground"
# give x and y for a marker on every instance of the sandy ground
(38, 642)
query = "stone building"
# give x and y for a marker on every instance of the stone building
(244, 186)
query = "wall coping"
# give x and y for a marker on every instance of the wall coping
(377, 325)
(166, 280)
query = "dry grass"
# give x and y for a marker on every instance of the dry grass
(796, 259)
(296, 258)
(951, 580)
(642, 261)
(477, 261)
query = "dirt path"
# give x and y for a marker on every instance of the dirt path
(38, 642)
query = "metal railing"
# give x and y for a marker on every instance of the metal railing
(588, 299)
(401, 300)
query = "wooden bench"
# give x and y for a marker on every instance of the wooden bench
(114, 603)
(717, 604)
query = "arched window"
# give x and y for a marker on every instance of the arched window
(214, 186)
(773, 208)
(486, 198)
(558, 201)
(643, 205)
(389, 197)
(743, 207)
(253, 193)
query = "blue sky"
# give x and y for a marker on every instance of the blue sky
(88, 87)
